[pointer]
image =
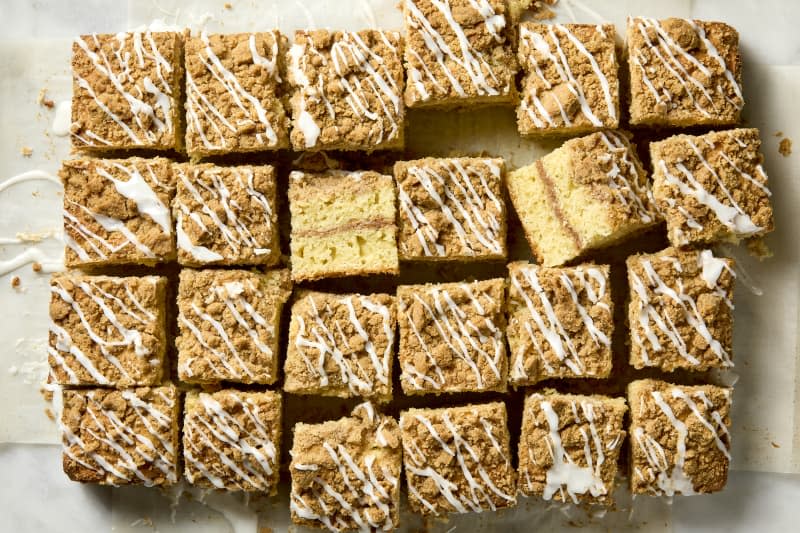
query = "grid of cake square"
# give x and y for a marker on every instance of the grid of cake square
(228, 305)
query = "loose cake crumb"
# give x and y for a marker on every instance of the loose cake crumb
(775, 444)
(539, 9)
(50, 414)
(43, 100)
(37, 266)
(15, 282)
(785, 147)
(228, 5)
(26, 151)
(778, 133)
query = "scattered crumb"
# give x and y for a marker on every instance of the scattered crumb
(775, 444)
(758, 248)
(35, 194)
(43, 100)
(47, 394)
(26, 151)
(16, 282)
(785, 147)
(265, 529)
(37, 266)
(228, 5)
(538, 9)
(50, 414)
(778, 133)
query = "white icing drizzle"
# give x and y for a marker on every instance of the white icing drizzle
(467, 202)
(247, 452)
(627, 180)
(31, 175)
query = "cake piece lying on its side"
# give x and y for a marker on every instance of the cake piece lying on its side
(341, 345)
(121, 437)
(681, 310)
(226, 215)
(712, 187)
(106, 330)
(233, 93)
(591, 192)
(458, 459)
(343, 224)
(116, 211)
(347, 90)
(451, 209)
(560, 322)
(458, 53)
(232, 440)
(570, 82)
(680, 440)
(346, 472)
(229, 324)
(451, 337)
(127, 90)
(569, 447)
(683, 72)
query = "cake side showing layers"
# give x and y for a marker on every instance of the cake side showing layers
(343, 224)
(712, 187)
(457, 459)
(680, 440)
(589, 193)
(458, 53)
(560, 322)
(226, 215)
(570, 446)
(347, 90)
(451, 209)
(229, 325)
(341, 345)
(116, 211)
(233, 96)
(121, 437)
(127, 90)
(451, 337)
(346, 472)
(681, 310)
(106, 330)
(683, 72)
(570, 82)
(232, 440)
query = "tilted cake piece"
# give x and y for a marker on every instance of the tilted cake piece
(232, 440)
(121, 437)
(680, 440)
(126, 91)
(681, 310)
(683, 72)
(457, 459)
(233, 97)
(106, 330)
(569, 447)
(116, 211)
(458, 53)
(712, 187)
(346, 472)
(451, 337)
(570, 82)
(343, 224)
(451, 209)
(347, 90)
(341, 345)
(226, 215)
(590, 193)
(229, 322)
(560, 322)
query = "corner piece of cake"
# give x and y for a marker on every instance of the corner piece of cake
(121, 437)
(680, 440)
(343, 224)
(341, 345)
(229, 324)
(346, 472)
(127, 90)
(589, 193)
(458, 53)
(232, 440)
(560, 322)
(116, 211)
(347, 90)
(570, 83)
(683, 72)
(458, 459)
(569, 447)
(226, 215)
(712, 187)
(452, 337)
(233, 93)
(107, 330)
(681, 310)
(451, 209)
